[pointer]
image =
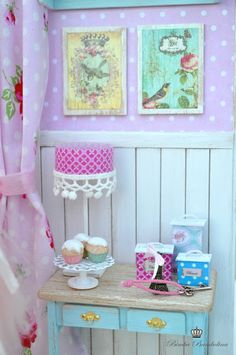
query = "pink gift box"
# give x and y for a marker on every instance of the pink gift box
(145, 264)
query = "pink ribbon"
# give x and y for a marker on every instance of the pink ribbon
(17, 184)
(139, 284)
(159, 260)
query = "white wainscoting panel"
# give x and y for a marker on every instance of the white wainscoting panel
(221, 245)
(148, 218)
(159, 176)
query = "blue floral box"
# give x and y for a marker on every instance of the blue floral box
(187, 234)
(193, 268)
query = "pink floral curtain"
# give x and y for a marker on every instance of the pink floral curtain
(26, 242)
(25, 239)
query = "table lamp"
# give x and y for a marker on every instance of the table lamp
(86, 168)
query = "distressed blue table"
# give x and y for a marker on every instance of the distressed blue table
(110, 306)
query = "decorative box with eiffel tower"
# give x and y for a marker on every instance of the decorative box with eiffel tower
(145, 264)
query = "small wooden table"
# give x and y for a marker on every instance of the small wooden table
(110, 306)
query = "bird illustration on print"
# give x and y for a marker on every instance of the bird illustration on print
(153, 101)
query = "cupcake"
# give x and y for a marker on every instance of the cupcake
(97, 249)
(72, 251)
(83, 238)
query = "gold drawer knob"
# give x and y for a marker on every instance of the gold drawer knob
(156, 323)
(90, 316)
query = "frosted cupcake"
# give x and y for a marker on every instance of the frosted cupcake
(72, 251)
(83, 238)
(97, 249)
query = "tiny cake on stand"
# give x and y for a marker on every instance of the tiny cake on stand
(84, 167)
(72, 260)
(72, 251)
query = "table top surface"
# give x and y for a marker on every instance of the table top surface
(109, 292)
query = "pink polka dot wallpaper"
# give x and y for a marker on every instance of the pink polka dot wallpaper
(218, 23)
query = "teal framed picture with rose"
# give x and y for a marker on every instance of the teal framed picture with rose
(170, 69)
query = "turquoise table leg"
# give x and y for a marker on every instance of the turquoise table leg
(53, 329)
(197, 328)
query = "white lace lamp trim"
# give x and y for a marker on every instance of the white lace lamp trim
(92, 185)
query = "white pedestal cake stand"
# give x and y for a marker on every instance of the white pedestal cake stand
(83, 281)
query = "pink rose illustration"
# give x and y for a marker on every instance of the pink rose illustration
(189, 62)
(149, 105)
(14, 93)
(10, 16)
(28, 337)
(179, 237)
(92, 51)
(49, 234)
(19, 94)
(93, 98)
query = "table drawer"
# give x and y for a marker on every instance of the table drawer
(156, 322)
(74, 315)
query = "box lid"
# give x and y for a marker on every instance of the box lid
(194, 255)
(189, 220)
(159, 247)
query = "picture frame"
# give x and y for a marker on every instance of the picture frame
(170, 69)
(94, 66)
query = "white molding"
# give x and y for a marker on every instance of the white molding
(219, 140)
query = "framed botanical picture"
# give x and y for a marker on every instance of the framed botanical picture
(170, 69)
(94, 61)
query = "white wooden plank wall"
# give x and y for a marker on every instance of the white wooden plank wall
(221, 245)
(156, 184)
